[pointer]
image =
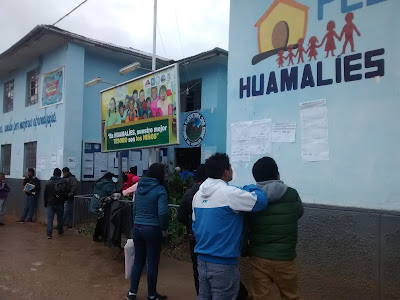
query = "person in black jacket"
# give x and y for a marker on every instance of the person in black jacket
(32, 195)
(185, 217)
(55, 194)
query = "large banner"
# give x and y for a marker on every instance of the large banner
(52, 87)
(141, 113)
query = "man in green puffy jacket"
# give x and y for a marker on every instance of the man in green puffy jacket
(273, 235)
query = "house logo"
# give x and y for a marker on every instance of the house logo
(282, 25)
(194, 129)
(147, 83)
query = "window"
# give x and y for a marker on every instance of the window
(32, 87)
(5, 159)
(8, 96)
(30, 155)
(191, 95)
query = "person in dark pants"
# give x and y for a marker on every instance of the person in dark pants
(150, 213)
(103, 187)
(73, 187)
(31, 195)
(185, 217)
(55, 194)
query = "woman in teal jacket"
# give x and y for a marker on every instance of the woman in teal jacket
(150, 213)
(103, 187)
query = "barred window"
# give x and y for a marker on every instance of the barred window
(32, 87)
(191, 95)
(8, 100)
(30, 155)
(5, 159)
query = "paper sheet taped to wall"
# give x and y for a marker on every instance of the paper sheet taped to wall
(314, 130)
(284, 132)
(252, 137)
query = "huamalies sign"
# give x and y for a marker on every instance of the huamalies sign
(143, 112)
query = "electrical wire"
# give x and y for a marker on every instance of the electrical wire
(162, 42)
(83, 2)
(189, 88)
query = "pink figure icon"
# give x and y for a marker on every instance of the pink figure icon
(312, 48)
(301, 50)
(330, 36)
(280, 58)
(291, 55)
(347, 31)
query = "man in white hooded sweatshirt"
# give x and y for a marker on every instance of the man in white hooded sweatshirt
(217, 226)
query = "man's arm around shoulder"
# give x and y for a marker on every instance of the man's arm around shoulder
(249, 198)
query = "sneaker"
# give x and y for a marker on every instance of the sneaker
(130, 296)
(49, 237)
(2, 224)
(20, 221)
(157, 297)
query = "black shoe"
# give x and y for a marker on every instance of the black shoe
(49, 237)
(157, 297)
(20, 221)
(97, 239)
(61, 233)
(2, 224)
(69, 227)
(130, 297)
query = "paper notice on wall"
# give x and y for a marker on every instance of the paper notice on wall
(72, 162)
(284, 132)
(314, 130)
(111, 158)
(53, 160)
(135, 155)
(145, 155)
(100, 161)
(145, 165)
(88, 170)
(41, 164)
(60, 161)
(253, 137)
(88, 157)
(124, 164)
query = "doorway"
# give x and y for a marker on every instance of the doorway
(188, 158)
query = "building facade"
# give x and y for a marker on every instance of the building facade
(320, 77)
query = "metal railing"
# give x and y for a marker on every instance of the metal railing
(81, 211)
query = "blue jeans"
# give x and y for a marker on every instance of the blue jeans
(148, 243)
(51, 211)
(217, 281)
(68, 205)
(29, 208)
(2, 208)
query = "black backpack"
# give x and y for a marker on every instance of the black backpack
(60, 188)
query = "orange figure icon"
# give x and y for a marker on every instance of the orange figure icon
(280, 58)
(330, 36)
(291, 55)
(301, 50)
(347, 31)
(312, 48)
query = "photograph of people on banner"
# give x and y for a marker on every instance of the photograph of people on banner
(52, 87)
(142, 112)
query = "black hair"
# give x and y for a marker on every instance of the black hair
(32, 170)
(57, 172)
(133, 170)
(120, 104)
(142, 90)
(157, 171)
(163, 87)
(148, 99)
(265, 169)
(216, 165)
(200, 173)
(108, 175)
(115, 109)
(134, 92)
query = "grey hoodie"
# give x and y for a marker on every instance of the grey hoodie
(275, 189)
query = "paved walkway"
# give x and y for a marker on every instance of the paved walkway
(73, 267)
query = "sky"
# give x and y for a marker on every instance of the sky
(203, 24)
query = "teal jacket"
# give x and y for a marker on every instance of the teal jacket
(273, 231)
(102, 188)
(151, 203)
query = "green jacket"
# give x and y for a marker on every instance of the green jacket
(273, 231)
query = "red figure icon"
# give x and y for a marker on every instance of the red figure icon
(330, 36)
(281, 58)
(291, 55)
(301, 50)
(347, 31)
(312, 48)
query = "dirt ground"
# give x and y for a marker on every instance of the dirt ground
(73, 267)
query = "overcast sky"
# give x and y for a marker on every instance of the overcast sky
(203, 24)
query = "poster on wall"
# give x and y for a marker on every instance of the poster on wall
(52, 87)
(141, 113)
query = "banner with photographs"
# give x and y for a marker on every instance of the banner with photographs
(141, 113)
(52, 87)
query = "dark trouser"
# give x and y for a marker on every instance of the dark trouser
(29, 208)
(51, 211)
(68, 212)
(192, 243)
(148, 243)
(98, 230)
